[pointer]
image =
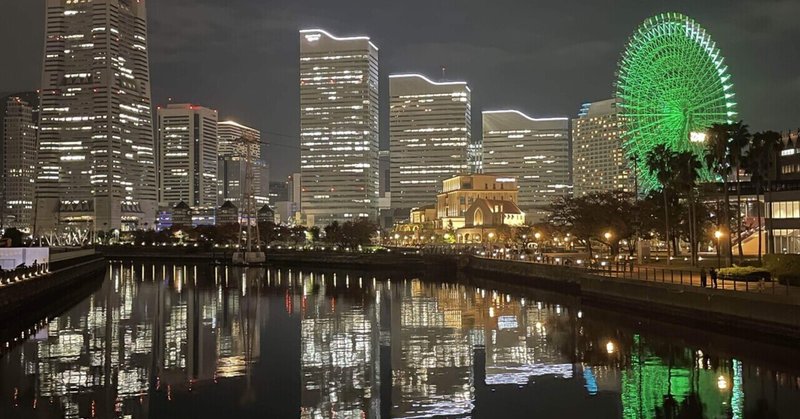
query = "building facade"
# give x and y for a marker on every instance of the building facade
(18, 135)
(339, 113)
(188, 145)
(460, 192)
(236, 142)
(96, 155)
(598, 160)
(533, 150)
(429, 135)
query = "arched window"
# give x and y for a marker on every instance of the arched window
(478, 218)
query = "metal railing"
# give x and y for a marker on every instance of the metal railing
(627, 269)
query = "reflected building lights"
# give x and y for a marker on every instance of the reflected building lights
(429, 348)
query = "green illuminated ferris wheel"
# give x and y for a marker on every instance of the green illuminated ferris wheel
(672, 86)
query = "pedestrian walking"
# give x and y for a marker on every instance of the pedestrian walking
(703, 277)
(713, 274)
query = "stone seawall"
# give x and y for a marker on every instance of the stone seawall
(776, 317)
(375, 261)
(65, 277)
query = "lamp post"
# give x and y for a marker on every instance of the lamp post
(608, 235)
(718, 235)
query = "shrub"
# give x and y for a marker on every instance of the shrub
(748, 273)
(785, 267)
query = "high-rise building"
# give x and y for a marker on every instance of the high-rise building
(598, 160)
(96, 162)
(429, 136)
(19, 118)
(187, 140)
(384, 165)
(236, 142)
(339, 113)
(280, 191)
(533, 150)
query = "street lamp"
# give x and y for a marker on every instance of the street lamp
(608, 235)
(718, 235)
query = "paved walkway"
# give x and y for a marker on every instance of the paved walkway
(677, 276)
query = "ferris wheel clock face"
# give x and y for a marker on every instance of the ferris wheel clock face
(672, 85)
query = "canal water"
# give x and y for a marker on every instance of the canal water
(199, 341)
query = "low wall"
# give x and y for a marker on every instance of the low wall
(773, 316)
(338, 259)
(164, 253)
(36, 292)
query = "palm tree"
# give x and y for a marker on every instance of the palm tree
(685, 169)
(740, 139)
(717, 161)
(660, 160)
(772, 145)
(755, 166)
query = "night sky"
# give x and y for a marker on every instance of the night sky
(542, 57)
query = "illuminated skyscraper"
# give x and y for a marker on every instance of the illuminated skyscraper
(534, 150)
(598, 160)
(18, 130)
(338, 127)
(96, 162)
(429, 125)
(187, 155)
(231, 168)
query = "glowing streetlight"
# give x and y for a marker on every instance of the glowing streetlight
(718, 235)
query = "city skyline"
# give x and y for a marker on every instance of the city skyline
(524, 55)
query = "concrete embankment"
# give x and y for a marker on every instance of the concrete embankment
(774, 317)
(356, 260)
(372, 261)
(184, 253)
(69, 273)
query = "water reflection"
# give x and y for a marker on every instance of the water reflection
(199, 341)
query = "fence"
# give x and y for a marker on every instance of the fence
(628, 270)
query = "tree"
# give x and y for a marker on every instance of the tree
(14, 235)
(686, 168)
(717, 160)
(591, 216)
(660, 161)
(770, 145)
(351, 233)
(739, 141)
(333, 233)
